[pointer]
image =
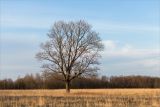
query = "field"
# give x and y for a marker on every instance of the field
(81, 98)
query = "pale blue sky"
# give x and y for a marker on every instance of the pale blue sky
(130, 30)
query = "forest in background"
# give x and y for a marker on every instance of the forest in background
(39, 81)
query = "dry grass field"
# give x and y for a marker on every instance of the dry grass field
(81, 98)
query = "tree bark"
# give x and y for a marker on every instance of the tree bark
(67, 86)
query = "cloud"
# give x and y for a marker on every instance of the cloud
(17, 54)
(19, 21)
(109, 44)
(117, 59)
(148, 67)
(124, 59)
(113, 49)
(20, 38)
(110, 26)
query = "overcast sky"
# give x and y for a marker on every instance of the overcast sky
(130, 30)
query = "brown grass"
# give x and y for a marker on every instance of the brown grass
(81, 98)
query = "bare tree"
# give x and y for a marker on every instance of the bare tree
(72, 51)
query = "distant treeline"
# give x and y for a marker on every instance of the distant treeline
(40, 82)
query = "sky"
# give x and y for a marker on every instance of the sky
(129, 29)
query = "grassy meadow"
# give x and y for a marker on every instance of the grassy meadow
(81, 98)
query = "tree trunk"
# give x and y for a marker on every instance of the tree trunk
(67, 86)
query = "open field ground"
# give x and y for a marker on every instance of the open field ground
(81, 98)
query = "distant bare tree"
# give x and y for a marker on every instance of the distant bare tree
(72, 51)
